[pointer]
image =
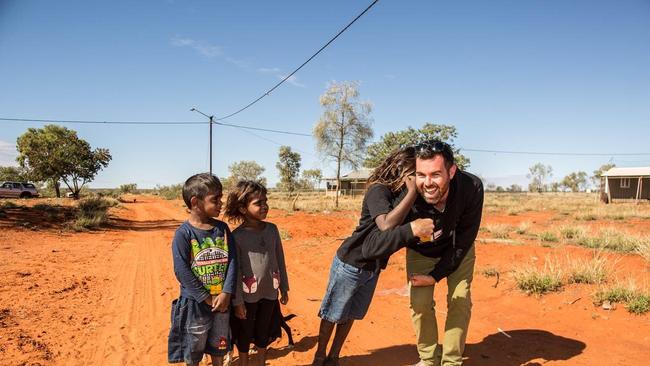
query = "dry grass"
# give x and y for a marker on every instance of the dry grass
(615, 240)
(499, 231)
(591, 271)
(313, 202)
(572, 232)
(636, 300)
(93, 213)
(536, 281)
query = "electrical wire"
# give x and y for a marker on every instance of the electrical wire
(299, 67)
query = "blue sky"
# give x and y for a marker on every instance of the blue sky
(551, 76)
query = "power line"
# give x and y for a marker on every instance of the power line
(299, 67)
(104, 122)
(552, 153)
(153, 123)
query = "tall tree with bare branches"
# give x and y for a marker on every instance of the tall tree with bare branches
(343, 131)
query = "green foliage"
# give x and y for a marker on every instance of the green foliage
(92, 213)
(613, 240)
(289, 167)
(538, 174)
(343, 131)
(312, 177)
(592, 271)
(539, 281)
(55, 153)
(392, 141)
(172, 192)
(639, 304)
(576, 181)
(599, 173)
(548, 236)
(128, 188)
(244, 170)
(12, 173)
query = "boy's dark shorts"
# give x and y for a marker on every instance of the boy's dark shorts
(196, 330)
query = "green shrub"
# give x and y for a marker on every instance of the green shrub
(615, 294)
(639, 304)
(572, 232)
(613, 240)
(593, 271)
(548, 236)
(128, 188)
(536, 281)
(175, 191)
(92, 213)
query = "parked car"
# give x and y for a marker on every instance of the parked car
(18, 190)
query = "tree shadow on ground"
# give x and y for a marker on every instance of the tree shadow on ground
(38, 217)
(123, 224)
(530, 347)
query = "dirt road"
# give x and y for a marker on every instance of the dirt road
(103, 298)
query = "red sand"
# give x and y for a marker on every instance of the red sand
(103, 298)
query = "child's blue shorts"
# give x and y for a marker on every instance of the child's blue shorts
(196, 330)
(349, 292)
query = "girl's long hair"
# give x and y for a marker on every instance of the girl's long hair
(239, 198)
(399, 164)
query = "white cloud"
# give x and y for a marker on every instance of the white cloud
(268, 70)
(201, 47)
(8, 154)
(293, 80)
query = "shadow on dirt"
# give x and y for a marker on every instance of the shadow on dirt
(529, 347)
(37, 217)
(122, 224)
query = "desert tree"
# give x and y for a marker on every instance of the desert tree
(312, 177)
(576, 181)
(343, 131)
(12, 173)
(514, 188)
(289, 167)
(391, 141)
(596, 179)
(244, 170)
(538, 174)
(54, 154)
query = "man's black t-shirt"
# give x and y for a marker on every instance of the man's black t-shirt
(378, 200)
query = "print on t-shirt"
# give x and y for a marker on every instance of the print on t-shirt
(249, 284)
(210, 262)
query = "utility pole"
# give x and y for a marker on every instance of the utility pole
(210, 134)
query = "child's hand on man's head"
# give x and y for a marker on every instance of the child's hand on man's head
(221, 302)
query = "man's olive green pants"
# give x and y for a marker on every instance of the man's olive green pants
(459, 307)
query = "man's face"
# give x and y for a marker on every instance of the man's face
(432, 179)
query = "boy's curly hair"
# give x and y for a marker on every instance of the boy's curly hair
(399, 164)
(239, 198)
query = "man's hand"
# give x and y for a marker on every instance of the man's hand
(423, 229)
(221, 302)
(209, 300)
(240, 311)
(284, 298)
(420, 280)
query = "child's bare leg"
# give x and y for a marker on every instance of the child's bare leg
(217, 360)
(261, 356)
(342, 331)
(243, 358)
(324, 334)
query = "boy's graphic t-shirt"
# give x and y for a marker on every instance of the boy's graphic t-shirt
(210, 262)
(204, 260)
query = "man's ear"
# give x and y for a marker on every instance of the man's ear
(452, 171)
(242, 210)
(193, 202)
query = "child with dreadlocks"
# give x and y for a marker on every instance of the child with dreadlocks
(358, 261)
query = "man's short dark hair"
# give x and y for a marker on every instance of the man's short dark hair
(430, 148)
(199, 186)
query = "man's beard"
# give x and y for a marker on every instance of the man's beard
(433, 194)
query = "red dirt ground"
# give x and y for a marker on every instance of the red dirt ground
(103, 297)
